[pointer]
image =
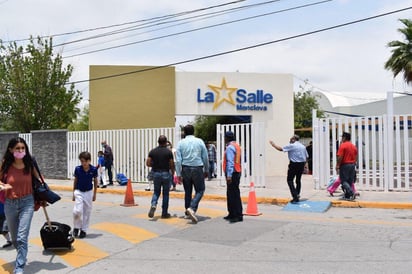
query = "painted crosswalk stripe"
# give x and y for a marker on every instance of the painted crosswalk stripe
(6, 267)
(82, 253)
(130, 233)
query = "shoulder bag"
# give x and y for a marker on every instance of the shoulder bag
(41, 190)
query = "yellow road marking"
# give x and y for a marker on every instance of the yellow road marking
(81, 254)
(208, 212)
(130, 233)
(6, 267)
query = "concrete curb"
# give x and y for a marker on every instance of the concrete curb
(259, 200)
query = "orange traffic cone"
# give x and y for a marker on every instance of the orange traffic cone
(252, 209)
(129, 197)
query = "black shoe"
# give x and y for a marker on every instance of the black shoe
(7, 244)
(75, 232)
(103, 186)
(166, 216)
(228, 217)
(151, 211)
(110, 184)
(82, 234)
(236, 219)
(295, 201)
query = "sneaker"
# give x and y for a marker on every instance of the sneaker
(151, 211)
(7, 244)
(147, 189)
(82, 234)
(192, 215)
(75, 232)
(166, 216)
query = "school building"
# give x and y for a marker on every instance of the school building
(136, 97)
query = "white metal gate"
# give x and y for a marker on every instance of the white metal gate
(251, 138)
(130, 148)
(384, 150)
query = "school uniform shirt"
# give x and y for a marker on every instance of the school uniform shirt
(85, 179)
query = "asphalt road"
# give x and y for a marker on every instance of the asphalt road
(123, 239)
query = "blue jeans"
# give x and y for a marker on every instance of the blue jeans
(19, 213)
(161, 180)
(211, 169)
(193, 177)
(347, 175)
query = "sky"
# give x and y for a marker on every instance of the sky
(345, 60)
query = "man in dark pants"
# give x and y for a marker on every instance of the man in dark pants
(345, 165)
(192, 166)
(160, 159)
(108, 160)
(297, 158)
(232, 168)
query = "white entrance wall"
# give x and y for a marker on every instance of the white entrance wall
(267, 98)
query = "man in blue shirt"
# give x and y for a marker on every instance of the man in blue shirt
(232, 167)
(297, 158)
(191, 168)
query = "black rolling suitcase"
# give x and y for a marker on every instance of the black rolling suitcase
(55, 235)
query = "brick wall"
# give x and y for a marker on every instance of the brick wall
(49, 147)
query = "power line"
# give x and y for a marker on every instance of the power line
(245, 48)
(161, 22)
(197, 29)
(129, 23)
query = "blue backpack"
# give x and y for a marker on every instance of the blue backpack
(121, 179)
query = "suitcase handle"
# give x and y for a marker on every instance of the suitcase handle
(47, 218)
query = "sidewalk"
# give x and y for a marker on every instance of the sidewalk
(276, 192)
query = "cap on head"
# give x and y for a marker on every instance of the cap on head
(229, 135)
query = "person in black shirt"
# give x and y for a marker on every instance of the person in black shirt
(161, 161)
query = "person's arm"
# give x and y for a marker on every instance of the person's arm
(230, 163)
(149, 161)
(178, 167)
(205, 159)
(172, 166)
(275, 146)
(95, 182)
(74, 186)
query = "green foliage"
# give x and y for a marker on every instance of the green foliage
(205, 126)
(401, 59)
(33, 91)
(82, 122)
(303, 104)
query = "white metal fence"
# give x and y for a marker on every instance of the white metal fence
(251, 138)
(130, 148)
(384, 150)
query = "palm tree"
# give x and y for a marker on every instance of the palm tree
(401, 59)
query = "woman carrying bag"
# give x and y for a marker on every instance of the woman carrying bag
(16, 173)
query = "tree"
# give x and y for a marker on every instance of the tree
(33, 90)
(205, 126)
(401, 58)
(82, 122)
(303, 104)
